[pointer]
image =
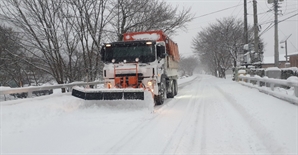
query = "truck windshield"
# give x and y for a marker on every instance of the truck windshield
(145, 53)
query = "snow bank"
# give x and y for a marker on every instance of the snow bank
(4, 88)
(293, 79)
(242, 71)
(294, 69)
(272, 69)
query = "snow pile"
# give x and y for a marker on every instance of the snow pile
(153, 36)
(293, 79)
(294, 69)
(6, 97)
(4, 88)
(272, 69)
(20, 115)
(242, 71)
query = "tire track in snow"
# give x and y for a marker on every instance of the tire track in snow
(217, 129)
(183, 122)
(203, 132)
(116, 146)
(260, 131)
(166, 105)
(154, 127)
(190, 119)
(187, 140)
(173, 104)
(145, 126)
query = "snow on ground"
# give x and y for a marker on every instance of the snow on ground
(208, 116)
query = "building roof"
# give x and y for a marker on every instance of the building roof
(270, 59)
(292, 54)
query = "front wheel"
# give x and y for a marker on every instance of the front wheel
(171, 88)
(162, 91)
(175, 87)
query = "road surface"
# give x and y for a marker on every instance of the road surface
(208, 116)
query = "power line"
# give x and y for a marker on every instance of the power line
(260, 13)
(288, 17)
(266, 20)
(265, 15)
(268, 28)
(235, 8)
(270, 21)
(291, 12)
(218, 11)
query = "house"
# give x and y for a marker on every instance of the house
(293, 59)
(269, 62)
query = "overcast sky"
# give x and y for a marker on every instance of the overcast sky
(202, 7)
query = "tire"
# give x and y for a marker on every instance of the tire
(162, 91)
(175, 87)
(172, 93)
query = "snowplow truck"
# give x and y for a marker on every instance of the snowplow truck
(143, 61)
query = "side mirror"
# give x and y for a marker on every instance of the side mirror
(161, 51)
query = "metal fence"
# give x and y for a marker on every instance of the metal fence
(259, 82)
(31, 89)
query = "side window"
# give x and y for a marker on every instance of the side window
(161, 51)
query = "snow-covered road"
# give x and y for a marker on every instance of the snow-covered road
(208, 116)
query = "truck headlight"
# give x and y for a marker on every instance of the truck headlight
(109, 85)
(150, 83)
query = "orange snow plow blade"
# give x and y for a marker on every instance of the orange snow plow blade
(108, 94)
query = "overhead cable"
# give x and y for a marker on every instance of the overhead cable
(218, 11)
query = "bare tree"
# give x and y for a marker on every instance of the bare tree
(10, 67)
(14, 66)
(187, 65)
(64, 34)
(220, 44)
(140, 15)
(39, 22)
(89, 18)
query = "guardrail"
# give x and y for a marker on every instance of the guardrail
(29, 90)
(257, 81)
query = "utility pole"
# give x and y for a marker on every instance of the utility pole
(256, 30)
(276, 52)
(245, 23)
(245, 37)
